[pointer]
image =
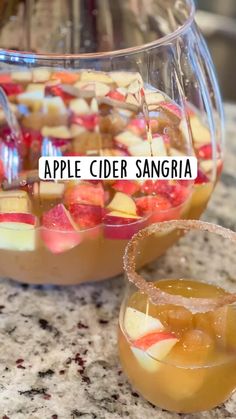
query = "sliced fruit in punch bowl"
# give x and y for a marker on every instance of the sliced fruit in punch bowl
(109, 94)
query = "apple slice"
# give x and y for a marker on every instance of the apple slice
(34, 99)
(201, 134)
(49, 190)
(21, 76)
(153, 98)
(207, 166)
(14, 202)
(144, 148)
(151, 349)
(65, 77)
(201, 178)
(117, 94)
(159, 208)
(85, 193)
(128, 139)
(138, 324)
(59, 232)
(94, 106)
(128, 187)
(86, 216)
(41, 75)
(35, 87)
(191, 356)
(149, 204)
(88, 122)
(96, 76)
(131, 99)
(18, 231)
(54, 106)
(123, 203)
(13, 108)
(172, 109)
(79, 106)
(56, 89)
(5, 78)
(61, 132)
(138, 126)
(124, 78)
(101, 89)
(173, 152)
(121, 226)
(12, 89)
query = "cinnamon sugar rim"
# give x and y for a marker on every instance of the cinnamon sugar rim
(159, 297)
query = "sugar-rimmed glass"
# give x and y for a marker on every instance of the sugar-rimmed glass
(177, 336)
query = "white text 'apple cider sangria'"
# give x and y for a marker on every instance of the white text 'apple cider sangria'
(177, 333)
(73, 231)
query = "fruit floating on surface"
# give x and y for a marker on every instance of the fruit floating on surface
(93, 113)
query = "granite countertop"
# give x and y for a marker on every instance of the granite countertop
(58, 351)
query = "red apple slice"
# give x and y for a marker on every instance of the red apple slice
(56, 89)
(5, 78)
(121, 226)
(159, 208)
(129, 187)
(65, 77)
(124, 78)
(138, 126)
(86, 216)
(85, 193)
(18, 231)
(149, 204)
(201, 178)
(21, 76)
(205, 152)
(138, 324)
(153, 348)
(59, 232)
(132, 100)
(12, 89)
(172, 108)
(116, 95)
(123, 203)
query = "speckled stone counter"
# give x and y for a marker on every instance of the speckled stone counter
(58, 352)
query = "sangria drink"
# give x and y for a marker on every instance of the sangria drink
(54, 227)
(177, 339)
(102, 102)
